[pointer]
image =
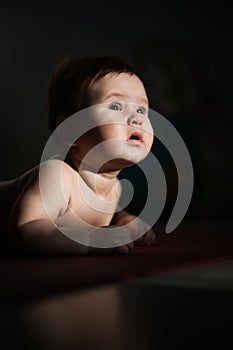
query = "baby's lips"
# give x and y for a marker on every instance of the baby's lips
(135, 135)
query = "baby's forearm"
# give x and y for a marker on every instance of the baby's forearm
(119, 215)
(41, 237)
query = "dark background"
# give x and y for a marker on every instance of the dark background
(182, 49)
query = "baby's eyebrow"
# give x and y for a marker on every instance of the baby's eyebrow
(118, 94)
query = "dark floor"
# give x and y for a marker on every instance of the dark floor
(175, 295)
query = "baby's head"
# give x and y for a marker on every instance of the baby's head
(111, 84)
(71, 82)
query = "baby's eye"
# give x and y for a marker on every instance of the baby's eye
(141, 110)
(115, 106)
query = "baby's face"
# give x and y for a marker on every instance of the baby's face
(119, 100)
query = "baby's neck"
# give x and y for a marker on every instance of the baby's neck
(102, 183)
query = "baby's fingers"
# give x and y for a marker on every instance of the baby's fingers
(125, 249)
(149, 237)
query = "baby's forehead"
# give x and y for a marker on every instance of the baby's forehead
(118, 77)
(122, 85)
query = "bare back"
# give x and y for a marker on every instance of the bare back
(9, 193)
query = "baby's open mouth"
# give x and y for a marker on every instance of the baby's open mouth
(135, 137)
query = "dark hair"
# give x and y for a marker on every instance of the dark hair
(69, 82)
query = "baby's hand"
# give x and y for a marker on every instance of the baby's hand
(103, 242)
(135, 226)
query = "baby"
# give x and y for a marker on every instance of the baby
(41, 207)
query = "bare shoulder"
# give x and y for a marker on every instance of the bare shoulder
(10, 191)
(50, 169)
(57, 174)
(55, 166)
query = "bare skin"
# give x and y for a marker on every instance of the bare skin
(31, 230)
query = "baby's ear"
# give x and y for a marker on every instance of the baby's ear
(62, 132)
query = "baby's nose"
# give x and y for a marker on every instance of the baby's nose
(134, 119)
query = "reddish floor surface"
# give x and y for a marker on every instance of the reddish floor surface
(28, 277)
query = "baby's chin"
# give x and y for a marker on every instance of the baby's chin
(115, 155)
(133, 155)
(119, 162)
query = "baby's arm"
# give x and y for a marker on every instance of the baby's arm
(32, 230)
(134, 224)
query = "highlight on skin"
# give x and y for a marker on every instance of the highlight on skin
(109, 150)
